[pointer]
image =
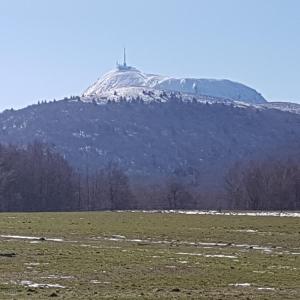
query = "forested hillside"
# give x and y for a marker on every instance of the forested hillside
(132, 154)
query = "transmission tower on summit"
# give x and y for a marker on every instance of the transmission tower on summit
(124, 65)
(124, 62)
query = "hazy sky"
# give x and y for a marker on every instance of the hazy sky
(55, 48)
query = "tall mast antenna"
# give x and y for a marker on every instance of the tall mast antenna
(124, 64)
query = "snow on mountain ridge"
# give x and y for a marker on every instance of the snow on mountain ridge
(146, 94)
(283, 106)
(132, 77)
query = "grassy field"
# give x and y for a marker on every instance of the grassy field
(116, 255)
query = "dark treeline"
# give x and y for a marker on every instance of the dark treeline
(266, 185)
(36, 178)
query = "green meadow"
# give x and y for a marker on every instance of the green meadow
(135, 255)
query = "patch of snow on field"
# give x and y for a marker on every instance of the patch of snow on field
(259, 272)
(265, 249)
(117, 236)
(204, 245)
(40, 285)
(295, 214)
(242, 247)
(20, 237)
(246, 230)
(34, 238)
(243, 213)
(97, 282)
(32, 264)
(249, 284)
(240, 284)
(220, 256)
(208, 255)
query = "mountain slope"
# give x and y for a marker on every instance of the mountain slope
(155, 126)
(130, 77)
(151, 140)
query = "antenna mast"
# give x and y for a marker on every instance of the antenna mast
(124, 64)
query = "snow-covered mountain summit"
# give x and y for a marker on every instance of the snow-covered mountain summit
(134, 80)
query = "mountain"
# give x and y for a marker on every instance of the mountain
(133, 80)
(155, 127)
(154, 140)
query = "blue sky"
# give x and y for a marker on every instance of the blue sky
(55, 48)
